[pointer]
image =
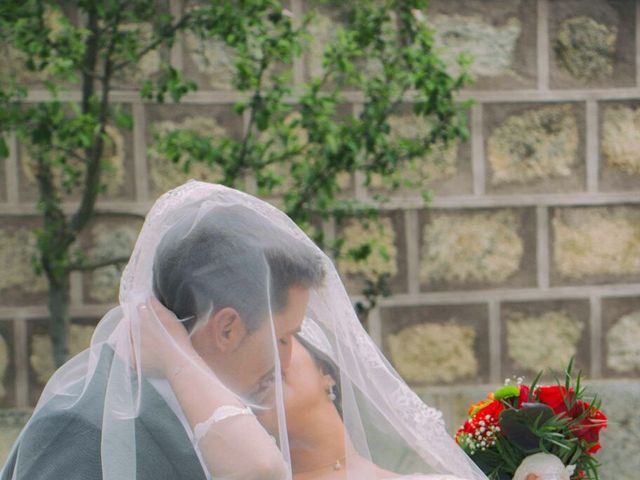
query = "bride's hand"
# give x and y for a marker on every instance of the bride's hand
(162, 340)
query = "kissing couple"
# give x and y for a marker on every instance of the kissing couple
(234, 353)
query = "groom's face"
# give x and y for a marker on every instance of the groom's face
(248, 368)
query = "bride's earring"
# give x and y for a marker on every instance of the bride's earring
(331, 394)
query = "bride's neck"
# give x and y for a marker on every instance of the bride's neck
(321, 442)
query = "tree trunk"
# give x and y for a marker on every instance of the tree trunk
(59, 300)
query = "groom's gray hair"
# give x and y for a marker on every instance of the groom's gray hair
(230, 257)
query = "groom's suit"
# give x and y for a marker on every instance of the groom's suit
(65, 444)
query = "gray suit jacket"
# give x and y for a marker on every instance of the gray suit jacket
(65, 444)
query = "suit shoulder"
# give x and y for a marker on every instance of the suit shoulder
(56, 445)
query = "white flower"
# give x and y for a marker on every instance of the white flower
(545, 466)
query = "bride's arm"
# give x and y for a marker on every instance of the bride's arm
(237, 447)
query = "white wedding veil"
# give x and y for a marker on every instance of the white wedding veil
(170, 382)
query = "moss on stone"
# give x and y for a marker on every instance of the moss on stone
(377, 235)
(434, 353)
(585, 48)
(440, 163)
(539, 144)
(536, 342)
(623, 344)
(17, 249)
(621, 139)
(491, 47)
(596, 241)
(477, 247)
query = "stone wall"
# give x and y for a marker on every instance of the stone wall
(529, 253)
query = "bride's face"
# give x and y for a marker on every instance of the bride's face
(305, 387)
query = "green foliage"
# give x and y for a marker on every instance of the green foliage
(300, 137)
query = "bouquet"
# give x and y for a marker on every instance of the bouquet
(530, 432)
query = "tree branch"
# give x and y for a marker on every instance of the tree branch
(94, 153)
(153, 45)
(84, 267)
(254, 101)
(115, 213)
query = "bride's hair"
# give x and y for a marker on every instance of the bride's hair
(327, 367)
(223, 258)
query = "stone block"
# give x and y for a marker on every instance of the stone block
(19, 284)
(534, 148)
(592, 43)
(384, 237)
(544, 335)
(106, 239)
(446, 170)
(41, 363)
(499, 35)
(441, 344)
(595, 244)
(477, 249)
(619, 146)
(621, 439)
(206, 121)
(117, 179)
(210, 62)
(621, 337)
(7, 365)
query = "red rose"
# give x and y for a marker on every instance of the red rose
(554, 396)
(588, 428)
(524, 395)
(480, 430)
(492, 410)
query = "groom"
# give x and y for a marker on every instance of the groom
(210, 273)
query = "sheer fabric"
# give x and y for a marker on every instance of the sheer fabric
(201, 342)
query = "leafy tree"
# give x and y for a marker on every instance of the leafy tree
(298, 138)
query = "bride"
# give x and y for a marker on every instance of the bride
(318, 442)
(200, 373)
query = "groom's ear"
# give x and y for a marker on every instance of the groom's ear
(227, 329)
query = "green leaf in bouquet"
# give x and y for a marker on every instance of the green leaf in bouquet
(508, 391)
(491, 462)
(519, 426)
